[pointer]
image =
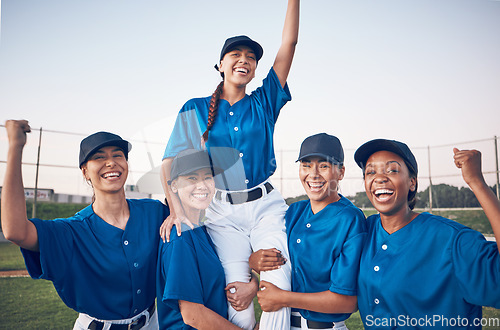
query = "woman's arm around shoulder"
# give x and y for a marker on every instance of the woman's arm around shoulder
(203, 318)
(177, 216)
(15, 224)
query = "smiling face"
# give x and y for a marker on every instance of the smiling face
(238, 66)
(106, 169)
(195, 191)
(388, 183)
(320, 181)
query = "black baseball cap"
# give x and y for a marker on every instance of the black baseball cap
(189, 161)
(94, 142)
(241, 40)
(399, 148)
(322, 145)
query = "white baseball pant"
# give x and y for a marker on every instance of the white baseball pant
(240, 229)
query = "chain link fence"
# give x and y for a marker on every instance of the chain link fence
(53, 155)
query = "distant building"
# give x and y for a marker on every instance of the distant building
(48, 195)
(132, 191)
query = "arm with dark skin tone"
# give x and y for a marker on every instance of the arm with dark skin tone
(272, 298)
(469, 161)
(266, 259)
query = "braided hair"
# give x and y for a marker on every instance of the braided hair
(212, 111)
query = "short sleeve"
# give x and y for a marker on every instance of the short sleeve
(271, 95)
(477, 268)
(55, 240)
(346, 268)
(344, 274)
(182, 279)
(186, 133)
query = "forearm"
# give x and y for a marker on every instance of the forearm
(290, 36)
(322, 302)
(15, 224)
(172, 199)
(203, 318)
(490, 205)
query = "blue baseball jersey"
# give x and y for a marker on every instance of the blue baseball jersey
(99, 269)
(324, 250)
(434, 272)
(241, 139)
(188, 269)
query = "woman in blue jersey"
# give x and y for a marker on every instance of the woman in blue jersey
(237, 129)
(102, 261)
(325, 239)
(190, 277)
(418, 270)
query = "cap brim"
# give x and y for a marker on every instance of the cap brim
(318, 155)
(215, 170)
(255, 46)
(369, 148)
(122, 144)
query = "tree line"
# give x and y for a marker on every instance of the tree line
(443, 196)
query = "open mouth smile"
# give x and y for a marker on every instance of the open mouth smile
(383, 194)
(241, 70)
(111, 175)
(315, 186)
(200, 196)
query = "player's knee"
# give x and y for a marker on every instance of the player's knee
(244, 319)
(280, 277)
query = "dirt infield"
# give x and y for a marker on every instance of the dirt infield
(14, 273)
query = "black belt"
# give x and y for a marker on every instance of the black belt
(295, 320)
(135, 325)
(240, 197)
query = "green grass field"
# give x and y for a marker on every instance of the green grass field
(34, 304)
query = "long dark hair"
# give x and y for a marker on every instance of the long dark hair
(212, 110)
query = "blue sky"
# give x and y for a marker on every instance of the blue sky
(425, 72)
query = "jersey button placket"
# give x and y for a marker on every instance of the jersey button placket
(378, 272)
(129, 255)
